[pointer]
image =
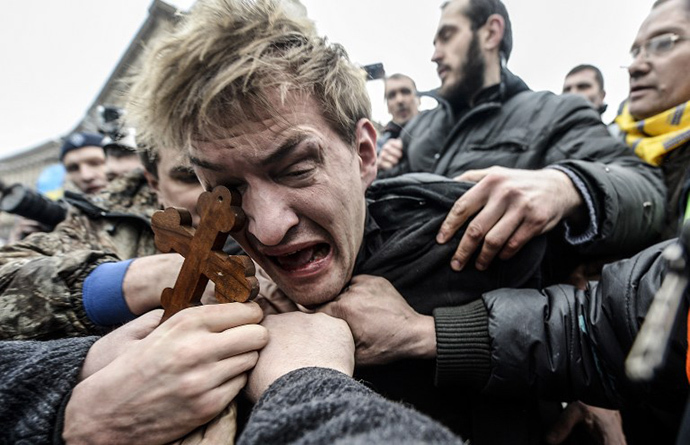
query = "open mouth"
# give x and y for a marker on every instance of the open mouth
(639, 88)
(303, 259)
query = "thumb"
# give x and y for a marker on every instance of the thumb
(472, 176)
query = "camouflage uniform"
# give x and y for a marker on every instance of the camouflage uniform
(41, 277)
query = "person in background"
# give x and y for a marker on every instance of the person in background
(100, 266)
(402, 100)
(588, 82)
(655, 120)
(83, 156)
(121, 154)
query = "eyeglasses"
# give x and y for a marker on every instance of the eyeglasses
(657, 46)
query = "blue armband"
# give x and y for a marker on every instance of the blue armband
(102, 295)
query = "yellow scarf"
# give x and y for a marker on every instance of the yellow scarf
(654, 137)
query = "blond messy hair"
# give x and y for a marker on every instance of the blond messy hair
(227, 61)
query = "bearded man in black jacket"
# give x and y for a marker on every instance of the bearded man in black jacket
(490, 128)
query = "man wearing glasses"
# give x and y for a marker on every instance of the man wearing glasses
(655, 120)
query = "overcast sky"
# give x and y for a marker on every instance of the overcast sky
(57, 54)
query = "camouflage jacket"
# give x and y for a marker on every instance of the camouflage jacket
(41, 277)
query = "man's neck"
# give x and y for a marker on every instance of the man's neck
(492, 77)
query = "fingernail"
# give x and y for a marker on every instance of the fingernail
(441, 238)
(480, 266)
(456, 265)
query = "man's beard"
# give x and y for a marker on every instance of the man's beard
(472, 76)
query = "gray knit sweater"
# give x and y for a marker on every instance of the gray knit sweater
(36, 378)
(323, 406)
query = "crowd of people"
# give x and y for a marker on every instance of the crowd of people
(474, 273)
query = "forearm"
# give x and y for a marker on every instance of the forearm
(629, 198)
(462, 335)
(562, 343)
(37, 377)
(146, 278)
(41, 297)
(542, 346)
(324, 405)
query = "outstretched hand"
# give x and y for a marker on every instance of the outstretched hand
(511, 207)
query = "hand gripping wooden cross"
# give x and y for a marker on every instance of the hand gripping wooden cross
(202, 249)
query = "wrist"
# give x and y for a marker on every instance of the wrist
(424, 346)
(574, 207)
(147, 277)
(79, 426)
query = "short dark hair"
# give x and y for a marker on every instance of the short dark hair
(399, 76)
(478, 11)
(584, 67)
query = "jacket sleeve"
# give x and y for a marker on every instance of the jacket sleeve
(566, 344)
(41, 281)
(37, 379)
(628, 194)
(318, 405)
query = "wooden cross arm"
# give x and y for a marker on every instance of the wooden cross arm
(173, 230)
(233, 276)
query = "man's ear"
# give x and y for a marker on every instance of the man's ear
(366, 151)
(494, 28)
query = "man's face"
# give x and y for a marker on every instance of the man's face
(116, 166)
(302, 192)
(177, 184)
(460, 62)
(660, 82)
(86, 168)
(585, 84)
(402, 100)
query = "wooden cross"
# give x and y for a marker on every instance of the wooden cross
(205, 260)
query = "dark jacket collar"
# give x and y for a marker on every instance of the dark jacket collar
(509, 86)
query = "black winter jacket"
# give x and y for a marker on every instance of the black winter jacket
(514, 127)
(404, 214)
(566, 344)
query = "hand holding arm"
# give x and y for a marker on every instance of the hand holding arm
(383, 324)
(178, 377)
(510, 207)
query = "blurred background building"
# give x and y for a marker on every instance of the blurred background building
(26, 167)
